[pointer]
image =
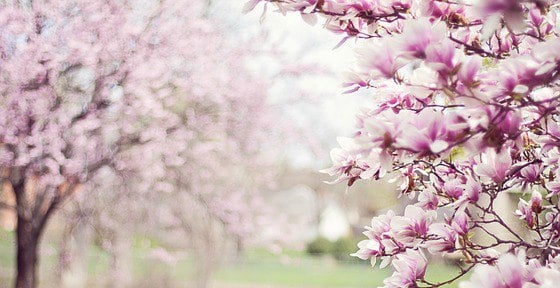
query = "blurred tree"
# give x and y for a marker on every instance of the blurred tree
(155, 95)
(200, 121)
(59, 64)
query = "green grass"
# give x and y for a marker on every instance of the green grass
(296, 269)
(6, 258)
(300, 270)
(302, 275)
(256, 267)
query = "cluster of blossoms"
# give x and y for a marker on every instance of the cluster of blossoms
(466, 114)
(190, 117)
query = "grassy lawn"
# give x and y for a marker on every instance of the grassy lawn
(6, 258)
(299, 270)
(257, 269)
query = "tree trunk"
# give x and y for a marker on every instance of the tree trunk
(30, 225)
(27, 248)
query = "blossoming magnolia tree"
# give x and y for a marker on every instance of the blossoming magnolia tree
(467, 96)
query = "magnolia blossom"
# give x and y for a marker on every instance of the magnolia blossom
(368, 249)
(379, 239)
(353, 164)
(494, 166)
(530, 210)
(428, 200)
(445, 238)
(530, 174)
(413, 224)
(507, 273)
(409, 267)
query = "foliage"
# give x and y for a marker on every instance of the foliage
(466, 111)
(339, 249)
(319, 246)
(342, 248)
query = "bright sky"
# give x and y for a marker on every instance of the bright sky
(332, 113)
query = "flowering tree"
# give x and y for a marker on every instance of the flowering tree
(95, 84)
(466, 110)
(199, 119)
(201, 139)
(59, 64)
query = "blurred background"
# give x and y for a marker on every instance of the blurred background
(215, 181)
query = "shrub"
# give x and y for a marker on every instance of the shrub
(342, 248)
(319, 247)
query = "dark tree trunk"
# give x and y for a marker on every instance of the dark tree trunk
(30, 223)
(27, 246)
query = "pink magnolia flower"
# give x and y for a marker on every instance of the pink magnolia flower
(418, 35)
(553, 187)
(383, 130)
(468, 73)
(350, 162)
(509, 125)
(444, 238)
(398, 100)
(380, 225)
(460, 223)
(375, 246)
(429, 132)
(550, 140)
(529, 210)
(471, 111)
(453, 188)
(379, 61)
(531, 173)
(554, 231)
(441, 57)
(368, 249)
(409, 267)
(494, 166)
(428, 200)
(355, 81)
(471, 193)
(539, 24)
(536, 202)
(472, 190)
(525, 213)
(413, 224)
(508, 273)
